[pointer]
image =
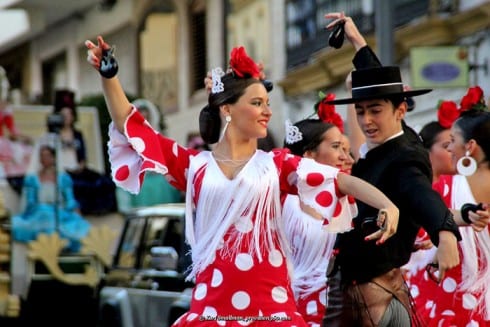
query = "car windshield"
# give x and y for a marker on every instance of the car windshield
(144, 233)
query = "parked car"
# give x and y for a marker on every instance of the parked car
(146, 284)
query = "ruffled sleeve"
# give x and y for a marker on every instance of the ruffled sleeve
(316, 185)
(141, 148)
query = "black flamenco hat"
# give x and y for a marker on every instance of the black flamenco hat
(377, 83)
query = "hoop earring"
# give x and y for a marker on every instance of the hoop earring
(228, 120)
(466, 165)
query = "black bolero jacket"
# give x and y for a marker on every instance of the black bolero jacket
(401, 169)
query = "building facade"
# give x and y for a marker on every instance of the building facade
(165, 48)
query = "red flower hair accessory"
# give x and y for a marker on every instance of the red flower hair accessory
(242, 65)
(473, 99)
(326, 112)
(447, 113)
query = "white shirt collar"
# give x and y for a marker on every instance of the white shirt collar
(363, 149)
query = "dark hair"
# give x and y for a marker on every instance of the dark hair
(48, 147)
(65, 98)
(209, 119)
(475, 124)
(396, 100)
(429, 132)
(312, 131)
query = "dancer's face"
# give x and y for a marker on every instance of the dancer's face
(379, 120)
(250, 115)
(329, 151)
(457, 146)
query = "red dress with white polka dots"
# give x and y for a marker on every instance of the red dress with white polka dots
(457, 300)
(234, 227)
(311, 247)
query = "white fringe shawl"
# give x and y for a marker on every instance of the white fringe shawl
(311, 248)
(475, 248)
(252, 195)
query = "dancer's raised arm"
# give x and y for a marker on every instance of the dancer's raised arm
(117, 103)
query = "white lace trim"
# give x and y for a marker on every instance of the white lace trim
(293, 134)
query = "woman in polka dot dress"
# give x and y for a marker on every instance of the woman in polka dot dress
(311, 247)
(233, 217)
(463, 295)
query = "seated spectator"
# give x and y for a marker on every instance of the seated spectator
(48, 204)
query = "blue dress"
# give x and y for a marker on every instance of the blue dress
(42, 215)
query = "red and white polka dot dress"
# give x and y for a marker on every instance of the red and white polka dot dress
(312, 246)
(462, 298)
(234, 227)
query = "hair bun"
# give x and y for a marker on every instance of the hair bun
(209, 125)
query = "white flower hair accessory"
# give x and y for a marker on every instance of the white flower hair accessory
(293, 133)
(216, 74)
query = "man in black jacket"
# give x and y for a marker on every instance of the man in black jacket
(392, 159)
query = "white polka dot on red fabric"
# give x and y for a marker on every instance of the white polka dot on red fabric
(175, 149)
(448, 313)
(473, 323)
(217, 278)
(275, 258)
(414, 291)
(180, 318)
(445, 190)
(122, 173)
(432, 306)
(209, 311)
(240, 300)
(324, 198)
(279, 294)
(244, 225)
(191, 316)
(322, 297)
(314, 179)
(469, 301)
(244, 261)
(449, 285)
(311, 308)
(138, 144)
(200, 291)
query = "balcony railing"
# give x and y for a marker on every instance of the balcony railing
(305, 22)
